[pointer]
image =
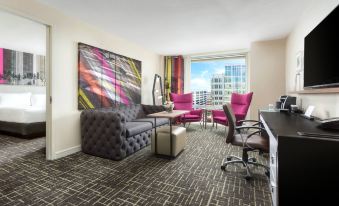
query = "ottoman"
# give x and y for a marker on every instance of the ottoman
(163, 140)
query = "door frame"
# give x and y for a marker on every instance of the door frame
(48, 73)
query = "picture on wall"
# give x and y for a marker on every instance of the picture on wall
(21, 68)
(107, 79)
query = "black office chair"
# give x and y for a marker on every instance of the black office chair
(239, 136)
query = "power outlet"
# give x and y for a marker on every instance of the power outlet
(327, 114)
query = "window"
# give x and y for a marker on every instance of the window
(215, 78)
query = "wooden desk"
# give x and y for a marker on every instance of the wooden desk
(170, 116)
(303, 170)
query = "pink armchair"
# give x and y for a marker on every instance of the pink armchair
(240, 104)
(185, 102)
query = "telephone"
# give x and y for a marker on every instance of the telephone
(330, 123)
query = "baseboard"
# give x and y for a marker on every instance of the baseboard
(66, 152)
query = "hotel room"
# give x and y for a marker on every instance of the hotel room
(209, 102)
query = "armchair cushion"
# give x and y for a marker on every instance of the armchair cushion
(196, 112)
(190, 116)
(219, 113)
(222, 119)
(240, 116)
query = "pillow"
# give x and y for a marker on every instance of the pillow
(15, 99)
(38, 100)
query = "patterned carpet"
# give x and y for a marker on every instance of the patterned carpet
(194, 178)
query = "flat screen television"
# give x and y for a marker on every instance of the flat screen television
(321, 53)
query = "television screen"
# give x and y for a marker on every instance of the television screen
(321, 54)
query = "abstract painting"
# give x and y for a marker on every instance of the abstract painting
(107, 79)
(21, 68)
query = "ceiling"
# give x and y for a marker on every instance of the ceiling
(170, 27)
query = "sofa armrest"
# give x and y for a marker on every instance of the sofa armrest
(103, 133)
(150, 109)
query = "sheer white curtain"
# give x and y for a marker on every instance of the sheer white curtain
(187, 78)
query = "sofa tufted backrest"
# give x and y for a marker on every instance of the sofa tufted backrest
(150, 109)
(131, 112)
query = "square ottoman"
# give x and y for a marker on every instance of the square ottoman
(163, 140)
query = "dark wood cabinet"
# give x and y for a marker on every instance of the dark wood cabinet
(303, 170)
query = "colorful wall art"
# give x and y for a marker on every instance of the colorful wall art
(21, 68)
(107, 79)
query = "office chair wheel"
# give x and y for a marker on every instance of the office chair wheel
(223, 167)
(229, 158)
(267, 173)
(247, 177)
(253, 159)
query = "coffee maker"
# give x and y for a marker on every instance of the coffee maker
(285, 102)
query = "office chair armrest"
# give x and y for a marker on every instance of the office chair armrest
(248, 120)
(249, 127)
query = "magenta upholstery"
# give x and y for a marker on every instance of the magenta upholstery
(185, 102)
(240, 104)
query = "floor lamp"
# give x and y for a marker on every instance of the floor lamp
(157, 91)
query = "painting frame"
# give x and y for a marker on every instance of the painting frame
(107, 79)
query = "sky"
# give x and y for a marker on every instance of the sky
(201, 72)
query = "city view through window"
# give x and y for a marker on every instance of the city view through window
(213, 81)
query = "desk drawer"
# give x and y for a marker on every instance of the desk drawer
(274, 193)
(273, 175)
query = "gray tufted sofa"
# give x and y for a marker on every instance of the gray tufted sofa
(116, 133)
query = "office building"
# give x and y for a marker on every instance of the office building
(201, 98)
(233, 80)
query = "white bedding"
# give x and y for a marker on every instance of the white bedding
(20, 114)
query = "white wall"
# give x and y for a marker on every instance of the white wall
(65, 34)
(267, 73)
(22, 34)
(327, 105)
